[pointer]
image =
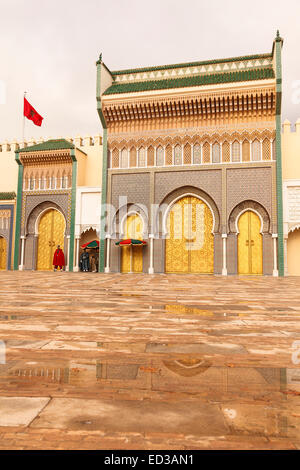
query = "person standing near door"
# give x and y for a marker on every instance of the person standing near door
(85, 261)
(58, 258)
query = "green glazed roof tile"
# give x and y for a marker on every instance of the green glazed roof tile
(53, 144)
(192, 64)
(247, 75)
(7, 196)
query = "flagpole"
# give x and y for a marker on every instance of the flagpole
(24, 117)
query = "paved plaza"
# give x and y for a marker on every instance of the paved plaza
(111, 361)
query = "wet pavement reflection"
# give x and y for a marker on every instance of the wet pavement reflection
(149, 362)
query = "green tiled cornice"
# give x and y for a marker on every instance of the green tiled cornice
(244, 76)
(7, 196)
(192, 64)
(54, 144)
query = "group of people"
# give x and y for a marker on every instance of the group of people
(86, 262)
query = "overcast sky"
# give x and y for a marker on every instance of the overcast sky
(49, 48)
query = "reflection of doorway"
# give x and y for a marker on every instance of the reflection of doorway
(293, 253)
(51, 233)
(190, 245)
(249, 244)
(132, 256)
(3, 253)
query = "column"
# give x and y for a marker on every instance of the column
(275, 268)
(76, 267)
(107, 267)
(151, 267)
(271, 154)
(224, 268)
(21, 266)
(35, 251)
(68, 253)
(286, 271)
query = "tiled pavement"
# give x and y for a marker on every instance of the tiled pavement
(149, 362)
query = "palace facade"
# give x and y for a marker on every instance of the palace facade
(194, 150)
(191, 162)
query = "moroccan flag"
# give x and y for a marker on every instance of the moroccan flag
(32, 114)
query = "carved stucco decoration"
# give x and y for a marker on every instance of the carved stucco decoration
(248, 205)
(40, 207)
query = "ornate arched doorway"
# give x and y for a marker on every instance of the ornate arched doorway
(190, 241)
(132, 256)
(293, 253)
(51, 230)
(250, 250)
(3, 253)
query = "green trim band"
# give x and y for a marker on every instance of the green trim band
(18, 212)
(104, 172)
(103, 203)
(7, 196)
(245, 76)
(73, 206)
(278, 45)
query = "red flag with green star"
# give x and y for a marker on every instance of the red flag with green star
(32, 114)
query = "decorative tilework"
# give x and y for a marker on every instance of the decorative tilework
(32, 200)
(249, 184)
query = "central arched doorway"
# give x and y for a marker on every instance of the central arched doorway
(3, 253)
(190, 241)
(293, 253)
(250, 251)
(132, 256)
(51, 231)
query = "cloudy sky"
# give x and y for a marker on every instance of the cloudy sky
(49, 49)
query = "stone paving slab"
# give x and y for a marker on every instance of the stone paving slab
(20, 411)
(132, 416)
(116, 361)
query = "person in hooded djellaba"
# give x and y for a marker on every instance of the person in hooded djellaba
(85, 261)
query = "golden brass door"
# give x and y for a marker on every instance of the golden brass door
(3, 253)
(190, 245)
(132, 256)
(249, 244)
(51, 234)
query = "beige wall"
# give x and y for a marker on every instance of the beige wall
(8, 168)
(293, 253)
(93, 164)
(290, 151)
(291, 196)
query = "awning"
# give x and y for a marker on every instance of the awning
(131, 241)
(92, 244)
